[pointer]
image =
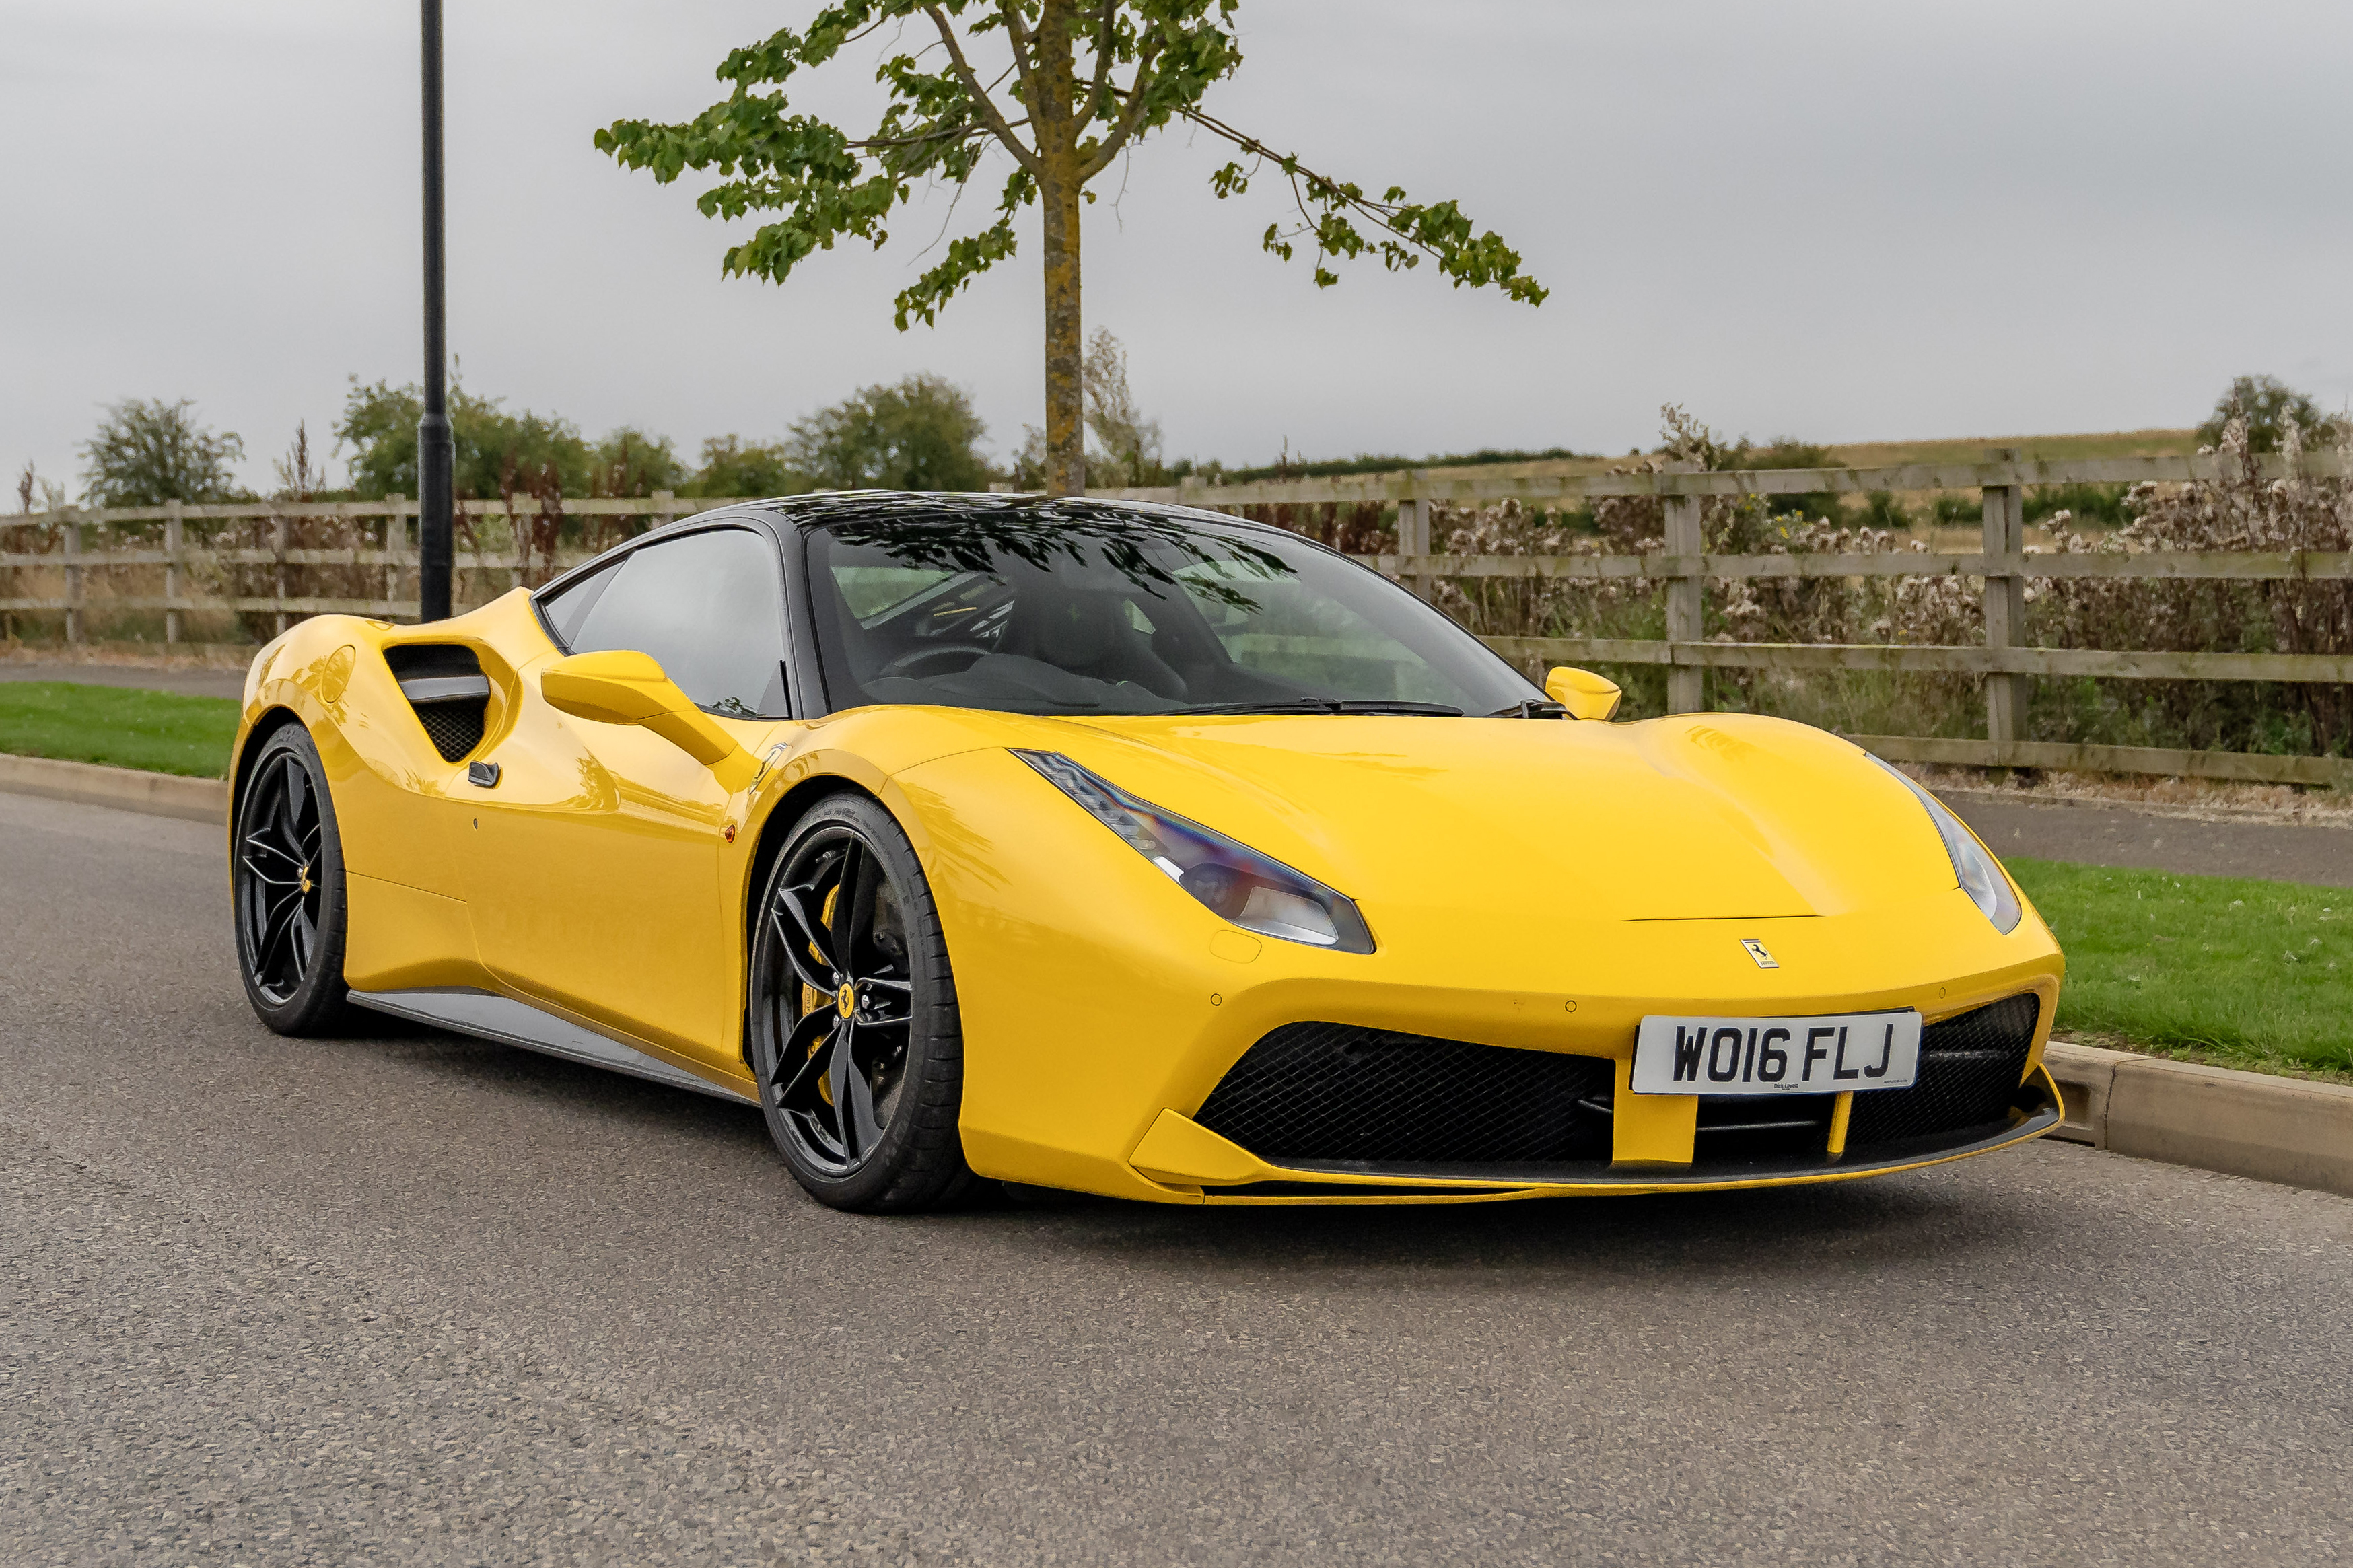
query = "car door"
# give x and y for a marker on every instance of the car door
(594, 879)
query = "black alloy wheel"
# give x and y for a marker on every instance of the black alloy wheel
(853, 1018)
(287, 884)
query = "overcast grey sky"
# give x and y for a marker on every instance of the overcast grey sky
(1842, 220)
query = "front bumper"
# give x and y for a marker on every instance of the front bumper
(1330, 1114)
(1102, 1008)
(1245, 1179)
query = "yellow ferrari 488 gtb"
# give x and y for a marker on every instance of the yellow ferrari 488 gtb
(1126, 849)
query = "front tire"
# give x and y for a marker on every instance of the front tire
(853, 1017)
(287, 889)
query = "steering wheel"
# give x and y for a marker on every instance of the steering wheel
(916, 663)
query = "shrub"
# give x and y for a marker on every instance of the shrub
(919, 434)
(147, 452)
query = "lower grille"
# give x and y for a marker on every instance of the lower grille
(1327, 1092)
(1970, 1071)
(1335, 1094)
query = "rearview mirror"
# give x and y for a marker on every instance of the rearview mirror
(630, 689)
(1584, 694)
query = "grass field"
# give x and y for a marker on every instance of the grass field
(2220, 969)
(122, 726)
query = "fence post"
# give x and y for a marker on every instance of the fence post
(172, 548)
(73, 581)
(395, 540)
(1413, 538)
(278, 527)
(1686, 599)
(2005, 600)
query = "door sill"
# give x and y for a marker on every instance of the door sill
(489, 1016)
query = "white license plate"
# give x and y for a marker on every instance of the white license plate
(1826, 1054)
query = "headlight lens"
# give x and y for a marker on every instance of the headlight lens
(1981, 877)
(1253, 891)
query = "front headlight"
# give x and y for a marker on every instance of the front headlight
(1255, 891)
(1981, 877)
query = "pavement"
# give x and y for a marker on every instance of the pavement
(189, 682)
(2095, 833)
(407, 1298)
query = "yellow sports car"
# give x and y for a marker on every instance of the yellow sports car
(1124, 849)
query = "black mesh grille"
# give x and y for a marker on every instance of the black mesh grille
(1970, 1071)
(456, 728)
(1333, 1091)
(454, 724)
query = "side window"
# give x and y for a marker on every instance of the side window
(708, 609)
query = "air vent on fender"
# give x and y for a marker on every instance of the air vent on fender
(445, 687)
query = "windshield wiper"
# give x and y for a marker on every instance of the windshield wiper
(1326, 705)
(1530, 708)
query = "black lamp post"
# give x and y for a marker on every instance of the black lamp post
(436, 450)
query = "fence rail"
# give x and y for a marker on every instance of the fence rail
(2004, 566)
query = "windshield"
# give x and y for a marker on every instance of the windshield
(1057, 608)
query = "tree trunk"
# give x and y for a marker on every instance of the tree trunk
(1066, 456)
(1057, 202)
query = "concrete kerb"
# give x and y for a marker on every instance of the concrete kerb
(129, 789)
(2241, 1123)
(2281, 1129)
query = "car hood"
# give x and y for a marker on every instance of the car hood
(1691, 817)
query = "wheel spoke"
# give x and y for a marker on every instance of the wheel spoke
(862, 1108)
(840, 1069)
(289, 804)
(854, 910)
(276, 933)
(795, 948)
(839, 926)
(800, 1062)
(794, 902)
(900, 991)
(306, 939)
(264, 878)
(255, 841)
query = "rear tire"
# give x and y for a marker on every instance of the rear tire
(287, 889)
(852, 1021)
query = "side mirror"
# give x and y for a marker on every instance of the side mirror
(1584, 694)
(630, 689)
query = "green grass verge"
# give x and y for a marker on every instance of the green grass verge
(127, 728)
(2220, 969)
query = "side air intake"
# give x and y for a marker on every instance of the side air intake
(448, 691)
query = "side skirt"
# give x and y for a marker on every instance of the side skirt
(512, 1023)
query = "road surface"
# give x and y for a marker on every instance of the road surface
(414, 1298)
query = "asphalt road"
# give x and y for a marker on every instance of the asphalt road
(414, 1298)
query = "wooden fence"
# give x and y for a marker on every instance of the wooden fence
(2004, 566)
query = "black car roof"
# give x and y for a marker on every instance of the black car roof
(814, 510)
